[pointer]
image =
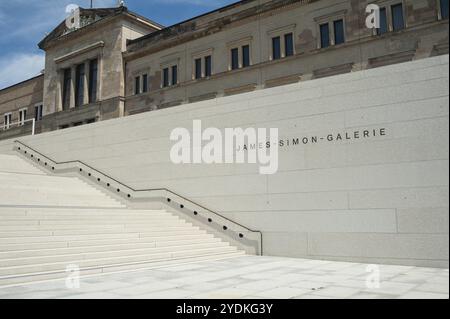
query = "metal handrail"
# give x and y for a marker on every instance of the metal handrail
(144, 190)
(21, 123)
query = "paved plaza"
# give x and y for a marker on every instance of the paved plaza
(251, 277)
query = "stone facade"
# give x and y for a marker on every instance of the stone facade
(256, 23)
(103, 39)
(137, 56)
(28, 96)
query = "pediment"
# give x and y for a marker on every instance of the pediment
(87, 17)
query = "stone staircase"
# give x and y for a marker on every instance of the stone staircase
(49, 223)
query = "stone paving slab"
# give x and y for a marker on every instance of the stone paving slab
(251, 277)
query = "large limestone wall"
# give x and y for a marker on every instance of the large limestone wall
(382, 198)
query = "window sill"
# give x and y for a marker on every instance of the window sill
(163, 88)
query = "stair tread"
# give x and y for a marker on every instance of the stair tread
(65, 220)
(74, 251)
(142, 265)
(126, 252)
(84, 261)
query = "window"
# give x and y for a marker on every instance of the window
(391, 18)
(282, 44)
(38, 111)
(208, 66)
(276, 48)
(339, 33)
(324, 35)
(169, 76)
(383, 22)
(141, 84)
(165, 77)
(174, 75)
(137, 85)
(93, 77)
(198, 68)
(22, 116)
(79, 85)
(239, 54)
(443, 7)
(398, 22)
(234, 58)
(289, 44)
(67, 83)
(202, 66)
(7, 121)
(245, 56)
(144, 83)
(331, 32)
(331, 29)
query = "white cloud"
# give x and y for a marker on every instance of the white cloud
(20, 67)
(39, 17)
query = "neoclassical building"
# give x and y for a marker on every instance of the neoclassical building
(118, 63)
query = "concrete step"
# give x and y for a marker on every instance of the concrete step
(86, 221)
(75, 238)
(44, 179)
(109, 248)
(51, 190)
(59, 202)
(128, 225)
(98, 262)
(80, 211)
(45, 276)
(54, 189)
(48, 223)
(12, 197)
(69, 258)
(14, 164)
(46, 233)
(64, 214)
(158, 241)
(95, 212)
(83, 218)
(11, 211)
(143, 222)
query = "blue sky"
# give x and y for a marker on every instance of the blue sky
(25, 22)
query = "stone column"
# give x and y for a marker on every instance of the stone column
(73, 86)
(332, 33)
(99, 77)
(59, 91)
(86, 82)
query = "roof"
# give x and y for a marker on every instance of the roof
(204, 25)
(177, 25)
(93, 16)
(22, 82)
